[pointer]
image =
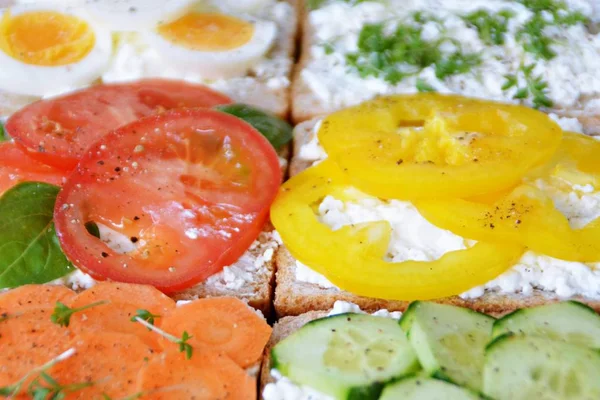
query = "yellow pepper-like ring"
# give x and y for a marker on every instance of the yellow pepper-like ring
(431, 145)
(526, 214)
(352, 257)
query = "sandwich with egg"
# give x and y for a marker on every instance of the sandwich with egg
(244, 49)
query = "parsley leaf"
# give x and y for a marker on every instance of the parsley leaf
(535, 87)
(491, 27)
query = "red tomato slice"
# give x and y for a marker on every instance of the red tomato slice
(16, 167)
(190, 187)
(58, 131)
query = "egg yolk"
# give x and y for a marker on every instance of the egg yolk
(45, 38)
(208, 31)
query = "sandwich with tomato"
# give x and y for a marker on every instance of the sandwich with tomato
(157, 182)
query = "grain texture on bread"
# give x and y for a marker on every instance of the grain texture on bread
(282, 329)
(293, 297)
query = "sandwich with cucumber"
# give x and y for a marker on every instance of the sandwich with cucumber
(435, 351)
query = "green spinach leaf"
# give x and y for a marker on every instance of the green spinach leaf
(3, 135)
(29, 248)
(277, 131)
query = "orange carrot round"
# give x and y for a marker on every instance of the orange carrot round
(123, 302)
(111, 361)
(221, 324)
(33, 296)
(28, 340)
(206, 376)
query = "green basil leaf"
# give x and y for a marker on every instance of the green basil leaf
(29, 248)
(3, 135)
(277, 131)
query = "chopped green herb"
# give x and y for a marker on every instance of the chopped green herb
(145, 315)
(404, 53)
(45, 387)
(314, 4)
(535, 87)
(62, 314)
(532, 34)
(14, 389)
(184, 346)
(328, 48)
(423, 86)
(491, 27)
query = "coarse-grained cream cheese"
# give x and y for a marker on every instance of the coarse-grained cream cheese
(248, 266)
(232, 277)
(573, 75)
(284, 389)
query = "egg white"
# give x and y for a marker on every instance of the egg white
(242, 6)
(44, 81)
(218, 64)
(134, 15)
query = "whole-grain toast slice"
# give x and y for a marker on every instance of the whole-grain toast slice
(307, 104)
(293, 297)
(266, 86)
(282, 329)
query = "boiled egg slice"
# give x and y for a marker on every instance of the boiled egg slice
(213, 45)
(47, 50)
(134, 15)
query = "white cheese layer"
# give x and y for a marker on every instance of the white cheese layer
(246, 270)
(573, 76)
(249, 266)
(284, 389)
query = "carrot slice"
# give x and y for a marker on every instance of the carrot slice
(206, 376)
(28, 340)
(33, 296)
(111, 361)
(124, 300)
(222, 324)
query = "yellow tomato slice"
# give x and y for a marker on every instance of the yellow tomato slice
(352, 257)
(527, 214)
(429, 145)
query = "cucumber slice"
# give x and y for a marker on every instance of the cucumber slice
(527, 367)
(415, 388)
(569, 321)
(347, 356)
(449, 341)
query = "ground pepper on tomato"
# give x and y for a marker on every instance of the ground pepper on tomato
(192, 187)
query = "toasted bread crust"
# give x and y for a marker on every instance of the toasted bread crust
(294, 298)
(282, 329)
